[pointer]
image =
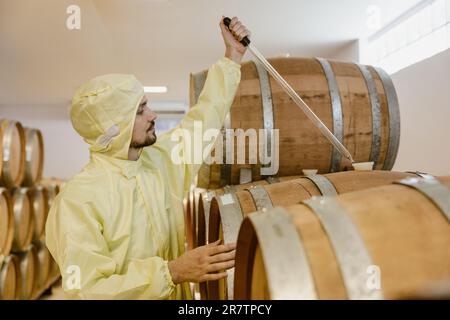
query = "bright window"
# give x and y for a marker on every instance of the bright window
(418, 33)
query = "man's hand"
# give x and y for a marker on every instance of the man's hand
(234, 49)
(203, 263)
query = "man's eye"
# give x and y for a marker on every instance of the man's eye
(140, 111)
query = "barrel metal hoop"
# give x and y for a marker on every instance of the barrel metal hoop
(394, 119)
(349, 247)
(336, 106)
(272, 180)
(433, 189)
(6, 173)
(231, 217)
(422, 174)
(261, 198)
(245, 175)
(376, 113)
(324, 185)
(267, 105)
(285, 261)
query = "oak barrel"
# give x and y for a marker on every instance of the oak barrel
(357, 103)
(9, 278)
(12, 153)
(388, 242)
(24, 219)
(29, 269)
(40, 210)
(200, 202)
(45, 260)
(6, 222)
(228, 211)
(34, 159)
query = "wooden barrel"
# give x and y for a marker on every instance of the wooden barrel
(203, 200)
(34, 159)
(12, 159)
(9, 278)
(24, 218)
(388, 242)
(45, 261)
(228, 211)
(201, 205)
(188, 219)
(357, 103)
(194, 212)
(40, 210)
(52, 191)
(6, 222)
(29, 268)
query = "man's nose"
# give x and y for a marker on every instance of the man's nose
(152, 116)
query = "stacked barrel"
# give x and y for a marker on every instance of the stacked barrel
(26, 266)
(319, 229)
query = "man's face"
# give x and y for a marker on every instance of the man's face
(144, 126)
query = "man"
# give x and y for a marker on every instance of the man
(116, 229)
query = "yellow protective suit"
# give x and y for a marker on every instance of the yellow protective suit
(116, 224)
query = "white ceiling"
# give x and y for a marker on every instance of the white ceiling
(160, 41)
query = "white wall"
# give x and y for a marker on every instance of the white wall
(424, 96)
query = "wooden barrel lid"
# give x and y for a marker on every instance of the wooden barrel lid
(52, 192)
(34, 159)
(6, 222)
(44, 258)
(9, 278)
(24, 219)
(29, 271)
(40, 209)
(12, 142)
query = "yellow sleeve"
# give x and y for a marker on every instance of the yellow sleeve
(211, 109)
(89, 270)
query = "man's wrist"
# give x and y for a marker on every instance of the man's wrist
(234, 55)
(173, 272)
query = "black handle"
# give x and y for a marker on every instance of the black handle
(245, 41)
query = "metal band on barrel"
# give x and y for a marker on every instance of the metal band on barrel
(422, 174)
(324, 185)
(394, 119)
(437, 192)
(267, 105)
(336, 105)
(349, 247)
(8, 134)
(228, 153)
(288, 272)
(261, 198)
(272, 180)
(376, 113)
(231, 217)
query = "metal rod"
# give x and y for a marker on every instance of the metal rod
(301, 104)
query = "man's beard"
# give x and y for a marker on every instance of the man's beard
(148, 142)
